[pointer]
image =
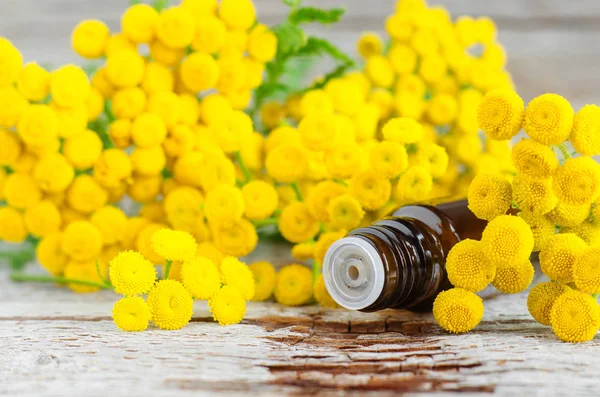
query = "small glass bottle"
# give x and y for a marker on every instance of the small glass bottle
(399, 261)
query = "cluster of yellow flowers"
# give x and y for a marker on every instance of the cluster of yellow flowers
(554, 196)
(226, 285)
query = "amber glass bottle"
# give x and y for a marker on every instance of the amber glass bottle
(399, 261)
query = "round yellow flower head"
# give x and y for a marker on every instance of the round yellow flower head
(174, 245)
(541, 227)
(12, 225)
(343, 160)
(323, 243)
(534, 159)
(132, 229)
(11, 62)
(38, 125)
(138, 23)
(294, 285)
(559, 255)
(577, 181)
(170, 304)
(129, 103)
(180, 141)
(143, 242)
(148, 130)
(575, 317)
(371, 189)
(586, 270)
(443, 109)
(199, 72)
(113, 168)
(432, 69)
(86, 271)
(157, 78)
(380, 71)
(89, 38)
(72, 121)
(287, 163)
(533, 194)
(316, 102)
(10, 147)
(320, 196)
(131, 314)
(260, 199)
(234, 131)
(175, 27)
(541, 299)
(403, 130)
(514, 278)
(587, 231)
(345, 212)
(489, 195)
(297, 223)
(388, 159)
(468, 266)
(43, 218)
(434, 158)
(567, 215)
(69, 86)
(34, 82)
(239, 276)
(82, 241)
(549, 119)
(262, 43)
(131, 274)
(415, 184)
(236, 238)
(182, 206)
(21, 190)
(228, 306)
(200, 276)
(50, 255)
(167, 105)
(507, 240)
(13, 106)
(210, 35)
(369, 44)
(118, 42)
(500, 114)
(148, 161)
(584, 136)
(208, 250)
(125, 69)
(322, 296)
(83, 150)
(224, 203)
(265, 278)
(318, 131)
(237, 14)
(86, 195)
(112, 222)
(458, 310)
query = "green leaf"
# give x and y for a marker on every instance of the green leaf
(292, 3)
(318, 46)
(340, 71)
(134, 2)
(160, 5)
(316, 15)
(290, 39)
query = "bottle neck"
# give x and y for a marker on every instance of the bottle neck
(398, 262)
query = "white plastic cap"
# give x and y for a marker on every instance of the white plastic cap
(353, 273)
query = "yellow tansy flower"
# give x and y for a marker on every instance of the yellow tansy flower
(514, 278)
(534, 159)
(81, 240)
(170, 304)
(239, 276)
(131, 314)
(507, 240)
(11, 62)
(21, 190)
(489, 195)
(575, 317)
(297, 224)
(403, 130)
(50, 255)
(533, 194)
(138, 23)
(174, 245)
(371, 189)
(577, 181)
(541, 227)
(89, 38)
(34, 82)
(303, 251)
(224, 204)
(369, 44)
(237, 14)
(43, 218)
(236, 238)
(345, 212)
(457, 310)
(322, 296)
(500, 114)
(567, 215)
(549, 119)
(415, 184)
(541, 298)
(586, 270)
(228, 306)
(260, 199)
(468, 266)
(12, 225)
(294, 285)
(200, 276)
(265, 278)
(131, 274)
(559, 255)
(287, 163)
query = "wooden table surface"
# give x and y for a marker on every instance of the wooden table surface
(54, 342)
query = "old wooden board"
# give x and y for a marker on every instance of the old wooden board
(53, 342)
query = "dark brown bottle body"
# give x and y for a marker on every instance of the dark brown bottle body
(409, 247)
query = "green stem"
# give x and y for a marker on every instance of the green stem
(245, 171)
(265, 222)
(296, 188)
(21, 277)
(563, 149)
(167, 269)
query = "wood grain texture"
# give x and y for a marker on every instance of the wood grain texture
(552, 44)
(54, 342)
